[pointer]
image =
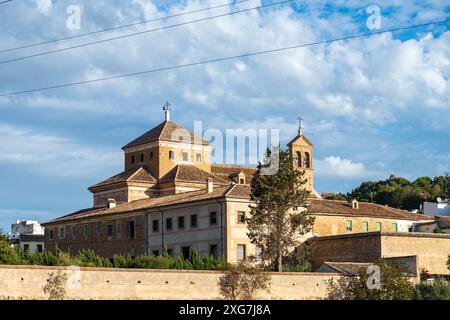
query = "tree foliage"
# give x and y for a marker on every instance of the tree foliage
(88, 258)
(401, 193)
(395, 285)
(56, 285)
(242, 280)
(439, 289)
(279, 213)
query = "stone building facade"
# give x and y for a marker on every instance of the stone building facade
(170, 196)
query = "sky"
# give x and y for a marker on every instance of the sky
(372, 106)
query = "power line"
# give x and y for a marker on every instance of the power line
(118, 27)
(225, 58)
(143, 32)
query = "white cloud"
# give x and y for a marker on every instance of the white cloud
(44, 6)
(335, 166)
(54, 155)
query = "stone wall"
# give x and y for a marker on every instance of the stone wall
(26, 282)
(432, 250)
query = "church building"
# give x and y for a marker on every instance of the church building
(170, 196)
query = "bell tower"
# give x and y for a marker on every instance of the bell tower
(301, 150)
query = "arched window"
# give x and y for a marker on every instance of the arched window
(299, 159)
(307, 160)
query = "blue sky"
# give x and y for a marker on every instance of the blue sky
(373, 106)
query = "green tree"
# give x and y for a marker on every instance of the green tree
(279, 213)
(395, 284)
(439, 289)
(242, 280)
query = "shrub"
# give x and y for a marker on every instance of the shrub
(120, 261)
(152, 262)
(439, 289)
(395, 284)
(182, 263)
(56, 285)
(242, 280)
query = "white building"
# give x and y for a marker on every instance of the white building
(25, 226)
(439, 208)
(29, 235)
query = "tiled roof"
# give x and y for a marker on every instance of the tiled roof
(218, 192)
(138, 174)
(443, 221)
(348, 268)
(334, 207)
(239, 191)
(163, 131)
(322, 207)
(189, 173)
(227, 172)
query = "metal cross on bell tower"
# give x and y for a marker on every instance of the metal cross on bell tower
(300, 129)
(166, 109)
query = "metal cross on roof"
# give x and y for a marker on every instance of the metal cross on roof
(166, 106)
(300, 129)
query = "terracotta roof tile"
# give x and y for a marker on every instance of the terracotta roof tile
(218, 192)
(138, 174)
(227, 172)
(163, 131)
(189, 173)
(348, 268)
(321, 206)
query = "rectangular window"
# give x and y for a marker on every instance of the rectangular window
(186, 252)
(74, 232)
(394, 227)
(241, 217)
(181, 222)
(156, 253)
(155, 225)
(171, 155)
(142, 157)
(151, 154)
(170, 252)
(348, 225)
(198, 157)
(378, 226)
(169, 224)
(131, 229)
(133, 159)
(26, 247)
(241, 181)
(365, 226)
(98, 227)
(62, 232)
(86, 231)
(241, 254)
(213, 218)
(50, 235)
(213, 250)
(110, 230)
(193, 221)
(39, 248)
(119, 227)
(185, 156)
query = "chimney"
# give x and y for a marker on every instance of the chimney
(111, 203)
(209, 185)
(355, 204)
